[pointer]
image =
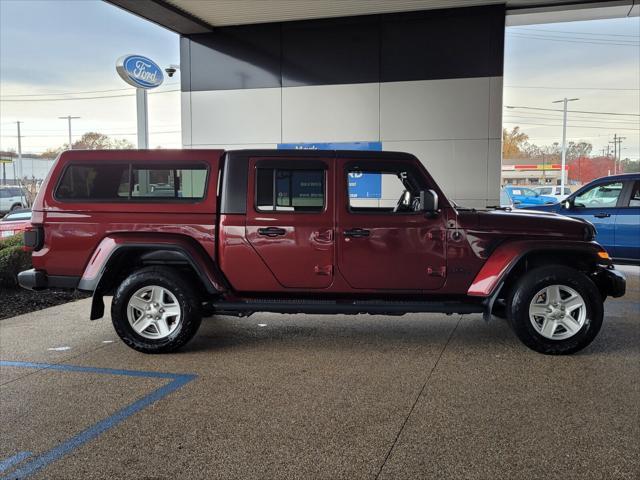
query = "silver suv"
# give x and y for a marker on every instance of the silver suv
(12, 198)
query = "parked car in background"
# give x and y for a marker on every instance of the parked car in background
(524, 197)
(12, 198)
(554, 191)
(612, 204)
(505, 199)
(15, 222)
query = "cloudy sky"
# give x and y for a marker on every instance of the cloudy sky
(50, 48)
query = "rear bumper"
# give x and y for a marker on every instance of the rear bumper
(38, 280)
(612, 282)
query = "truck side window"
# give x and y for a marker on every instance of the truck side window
(289, 190)
(94, 182)
(125, 182)
(601, 196)
(394, 192)
(168, 183)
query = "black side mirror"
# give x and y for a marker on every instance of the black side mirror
(428, 201)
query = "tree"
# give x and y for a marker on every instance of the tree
(100, 141)
(629, 166)
(512, 142)
(577, 150)
(91, 141)
(51, 153)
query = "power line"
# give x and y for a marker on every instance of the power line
(543, 116)
(572, 111)
(80, 135)
(84, 98)
(540, 87)
(76, 93)
(583, 120)
(574, 126)
(574, 32)
(549, 39)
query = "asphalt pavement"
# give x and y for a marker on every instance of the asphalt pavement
(328, 397)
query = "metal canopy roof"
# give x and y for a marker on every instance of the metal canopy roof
(199, 16)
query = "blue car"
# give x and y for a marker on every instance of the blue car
(525, 197)
(612, 204)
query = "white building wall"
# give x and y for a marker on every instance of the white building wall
(453, 126)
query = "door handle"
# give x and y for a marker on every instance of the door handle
(271, 231)
(602, 215)
(357, 233)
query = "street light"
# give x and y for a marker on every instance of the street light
(565, 100)
(69, 118)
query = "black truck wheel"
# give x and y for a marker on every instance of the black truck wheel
(155, 310)
(555, 310)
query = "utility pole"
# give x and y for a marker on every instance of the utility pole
(565, 100)
(69, 118)
(19, 152)
(617, 151)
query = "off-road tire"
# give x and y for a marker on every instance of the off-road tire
(533, 282)
(184, 292)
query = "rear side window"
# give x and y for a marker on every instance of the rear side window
(289, 190)
(118, 182)
(188, 183)
(10, 192)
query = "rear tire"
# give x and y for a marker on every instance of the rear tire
(155, 310)
(555, 310)
(15, 206)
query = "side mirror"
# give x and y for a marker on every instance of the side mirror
(567, 204)
(517, 202)
(428, 201)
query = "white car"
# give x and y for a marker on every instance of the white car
(12, 198)
(554, 191)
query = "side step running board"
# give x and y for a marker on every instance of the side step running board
(346, 308)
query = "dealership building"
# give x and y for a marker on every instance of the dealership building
(418, 76)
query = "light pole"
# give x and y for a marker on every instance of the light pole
(19, 154)
(565, 100)
(69, 118)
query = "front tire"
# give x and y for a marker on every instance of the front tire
(555, 310)
(155, 310)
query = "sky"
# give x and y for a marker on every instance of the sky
(596, 61)
(60, 46)
(48, 48)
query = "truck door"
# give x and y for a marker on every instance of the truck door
(290, 219)
(384, 241)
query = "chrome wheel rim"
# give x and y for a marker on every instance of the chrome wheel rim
(154, 312)
(557, 312)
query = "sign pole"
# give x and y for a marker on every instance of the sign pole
(19, 153)
(143, 118)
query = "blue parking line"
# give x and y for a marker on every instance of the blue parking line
(11, 461)
(177, 381)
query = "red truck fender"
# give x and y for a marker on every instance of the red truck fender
(507, 255)
(155, 249)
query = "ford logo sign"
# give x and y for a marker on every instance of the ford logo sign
(139, 71)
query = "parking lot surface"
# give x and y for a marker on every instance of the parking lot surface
(271, 396)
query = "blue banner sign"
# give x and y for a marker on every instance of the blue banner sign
(139, 71)
(377, 146)
(361, 185)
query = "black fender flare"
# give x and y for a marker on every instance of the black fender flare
(149, 254)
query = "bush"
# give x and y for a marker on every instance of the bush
(12, 260)
(14, 241)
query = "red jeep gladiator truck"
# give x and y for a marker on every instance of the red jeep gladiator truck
(175, 235)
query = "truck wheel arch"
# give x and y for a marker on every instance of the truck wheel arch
(508, 259)
(123, 258)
